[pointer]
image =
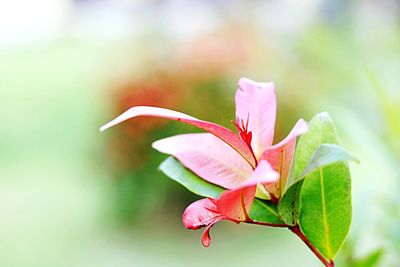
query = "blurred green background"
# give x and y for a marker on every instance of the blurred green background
(70, 196)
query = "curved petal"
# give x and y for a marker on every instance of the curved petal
(202, 213)
(257, 102)
(205, 238)
(208, 157)
(235, 204)
(219, 131)
(281, 156)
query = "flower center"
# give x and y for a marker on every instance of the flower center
(244, 133)
(243, 130)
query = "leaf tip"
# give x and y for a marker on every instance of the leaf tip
(106, 126)
(156, 145)
(102, 128)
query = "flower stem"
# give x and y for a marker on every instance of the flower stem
(296, 229)
(268, 224)
(274, 199)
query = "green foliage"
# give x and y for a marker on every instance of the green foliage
(321, 131)
(177, 172)
(326, 154)
(265, 211)
(320, 198)
(289, 205)
(325, 197)
(311, 154)
(325, 215)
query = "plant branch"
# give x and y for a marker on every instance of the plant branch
(268, 224)
(296, 229)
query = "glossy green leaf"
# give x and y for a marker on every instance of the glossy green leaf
(325, 215)
(261, 211)
(325, 197)
(320, 131)
(177, 172)
(325, 155)
(289, 205)
(265, 211)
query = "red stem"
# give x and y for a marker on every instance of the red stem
(274, 199)
(297, 231)
(268, 224)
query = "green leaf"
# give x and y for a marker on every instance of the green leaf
(261, 211)
(177, 172)
(326, 154)
(320, 131)
(265, 211)
(325, 197)
(325, 215)
(323, 155)
(289, 205)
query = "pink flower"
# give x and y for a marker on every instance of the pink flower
(247, 164)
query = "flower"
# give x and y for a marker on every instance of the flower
(246, 164)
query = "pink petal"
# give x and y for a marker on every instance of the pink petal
(202, 213)
(235, 204)
(264, 173)
(280, 156)
(257, 102)
(205, 238)
(219, 131)
(208, 157)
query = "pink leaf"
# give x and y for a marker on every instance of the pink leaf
(202, 213)
(235, 204)
(257, 102)
(280, 156)
(205, 238)
(219, 131)
(208, 157)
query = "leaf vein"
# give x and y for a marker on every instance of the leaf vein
(268, 208)
(325, 220)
